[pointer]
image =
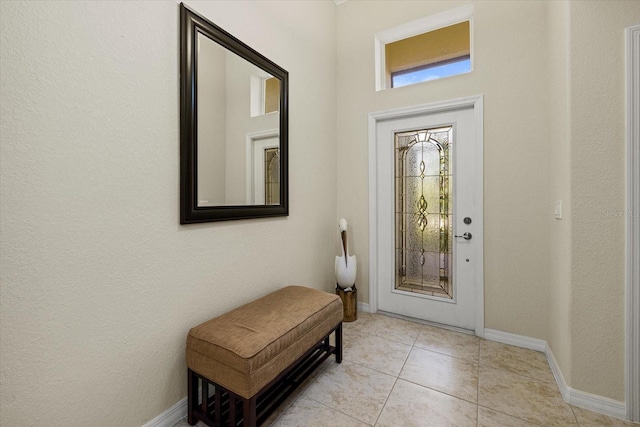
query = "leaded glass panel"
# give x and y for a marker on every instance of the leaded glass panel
(272, 176)
(423, 207)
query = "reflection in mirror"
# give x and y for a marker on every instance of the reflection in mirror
(235, 99)
(265, 164)
(272, 176)
(234, 127)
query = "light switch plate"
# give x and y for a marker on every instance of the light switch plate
(558, 209)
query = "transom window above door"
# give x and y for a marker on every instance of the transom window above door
(429, 48)
(440, 53)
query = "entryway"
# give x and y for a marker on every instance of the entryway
(426, 233)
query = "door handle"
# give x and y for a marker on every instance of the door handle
(465, 236)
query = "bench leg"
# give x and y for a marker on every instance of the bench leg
(193, 397)
(339, 343)
(204, 405)
(218, 404)
(232, 409)
(249, 412)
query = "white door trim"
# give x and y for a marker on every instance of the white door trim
(474, 102)
(251, 140)
(632, 275)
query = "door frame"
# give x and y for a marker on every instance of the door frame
(251, 140)
(474, 102)
(632, 224)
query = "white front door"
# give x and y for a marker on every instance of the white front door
(427, 248)
(258, 173)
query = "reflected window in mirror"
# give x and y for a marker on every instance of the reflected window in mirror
(265, 94)
(271, 95)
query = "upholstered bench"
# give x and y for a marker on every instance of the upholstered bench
(253, 357)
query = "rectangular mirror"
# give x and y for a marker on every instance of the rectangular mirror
(234, 127)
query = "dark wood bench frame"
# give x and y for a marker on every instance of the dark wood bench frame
(225, 408)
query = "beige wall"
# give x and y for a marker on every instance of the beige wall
(515, 148)
(559, 146)
(552, 78)
(586, 288)
(212, 128)
(597, 190)
(100, 283)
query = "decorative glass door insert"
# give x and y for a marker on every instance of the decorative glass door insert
(423, 213)
(272, 176)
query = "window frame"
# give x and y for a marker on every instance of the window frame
(414, 28)
(429, 67)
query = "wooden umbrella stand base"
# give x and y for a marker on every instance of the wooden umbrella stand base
(349, 302)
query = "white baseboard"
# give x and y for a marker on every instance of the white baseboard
(595, 403)
(517, 340)
(363, 306)
(591, 402)
(557, 374)
(179, 411)
(171, 416)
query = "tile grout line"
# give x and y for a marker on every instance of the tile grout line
(478, 364)
(446, 354)
(414, 346)
(337, 410)
(297, 393)
(385, 401)
(394, 383)
(489, 357)
(574, 415)
(441, 391)
(510, 415)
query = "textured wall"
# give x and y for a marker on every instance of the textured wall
(559, 157)
(552, 74)
(100, 283)
(586, 288)
(597, 189)
(515, 147)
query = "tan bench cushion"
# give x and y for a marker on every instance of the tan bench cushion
(244, 349)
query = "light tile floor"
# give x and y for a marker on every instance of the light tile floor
(400, 373)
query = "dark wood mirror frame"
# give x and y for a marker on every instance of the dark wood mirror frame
(191, 23)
